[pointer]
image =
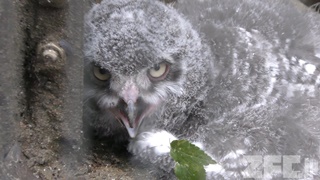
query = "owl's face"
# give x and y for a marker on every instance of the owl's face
(129, 99)
(137, 58)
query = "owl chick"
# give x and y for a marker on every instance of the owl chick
(236, 78)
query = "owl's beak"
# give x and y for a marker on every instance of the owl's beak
(131, 110)
(131, 127)
(131, 114)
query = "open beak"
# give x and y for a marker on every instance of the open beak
(131, 115)
(131, 110)
(130, 119)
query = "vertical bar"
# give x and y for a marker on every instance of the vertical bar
(9, 79)
(11, 93)
(72, 113)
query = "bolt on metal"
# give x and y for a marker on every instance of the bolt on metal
(51, 55)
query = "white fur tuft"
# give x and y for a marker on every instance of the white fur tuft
(159, 141)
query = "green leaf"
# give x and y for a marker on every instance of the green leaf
(194, 172)
(185, 153)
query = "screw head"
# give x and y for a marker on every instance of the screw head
(50, 55)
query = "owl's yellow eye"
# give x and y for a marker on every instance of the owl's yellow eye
(101, 74)
(159, 71)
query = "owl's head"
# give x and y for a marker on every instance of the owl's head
(138, 56)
